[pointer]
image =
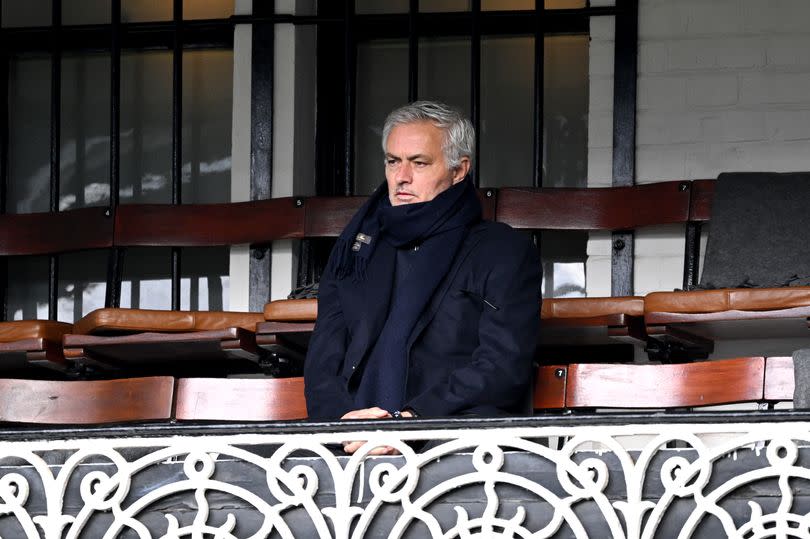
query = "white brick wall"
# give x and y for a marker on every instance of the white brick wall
(723, 86)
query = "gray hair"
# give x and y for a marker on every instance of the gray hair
(459, 134)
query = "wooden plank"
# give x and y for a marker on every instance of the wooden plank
(609, 208)
(50, 233)
(700, 207)
(190, 225)
(328, 216)
(99, 401)
(549, 387)
(665, 386)
(236, 399)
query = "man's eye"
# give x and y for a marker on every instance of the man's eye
(420, 164)
(391, 162)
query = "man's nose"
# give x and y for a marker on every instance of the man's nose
(404, 173)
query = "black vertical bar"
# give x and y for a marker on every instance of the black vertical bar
(475, 87)
(261, 143)
(56, 113)
(413, 51)
(691, 263)
(539, 92)
(624, 135)
(112, 295)
(330, 102)
(115, 104)
(4, 129)
(177, 138)
(350, 68)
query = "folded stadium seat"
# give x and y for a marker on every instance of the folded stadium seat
(286, 330)
(589, 321)
(755, 284)
(177, 342)
(696, 319)
(32, 348)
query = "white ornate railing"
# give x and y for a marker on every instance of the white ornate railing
(723, 480)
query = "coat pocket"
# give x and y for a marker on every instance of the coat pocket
(479, 298)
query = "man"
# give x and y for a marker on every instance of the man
(424, 309)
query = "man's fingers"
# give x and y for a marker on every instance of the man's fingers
(367, 413)
(351, 447)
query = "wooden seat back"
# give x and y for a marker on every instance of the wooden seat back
(240, 399)
(86, 402)
(607, 208)
(594, 385)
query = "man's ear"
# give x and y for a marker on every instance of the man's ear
(460, 172)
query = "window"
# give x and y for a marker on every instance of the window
(83, 64)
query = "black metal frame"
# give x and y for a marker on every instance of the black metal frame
(551, 419)
(624, 135)
(261, 143)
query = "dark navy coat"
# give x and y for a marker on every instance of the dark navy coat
(471, 350)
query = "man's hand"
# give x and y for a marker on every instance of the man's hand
(368, 413)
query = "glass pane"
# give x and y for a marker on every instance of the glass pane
(29, 114)
(565, 123)
(146, 127)
(85, 140)
(146, 10)
(207, 9)
(27, 288)
(444, 71)
(368, 7)
(438, 6)
(385, 63)
(86, 12)
(207, 105)
(563, 254)
(507, 103)
(204, 283)
(147, 282)
(28, 13)
(82, 284)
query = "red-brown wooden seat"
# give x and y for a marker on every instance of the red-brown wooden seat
(700, 317)
(604, 385)
(240, 399)
(86, 402)
(32, 343)
(151, 339)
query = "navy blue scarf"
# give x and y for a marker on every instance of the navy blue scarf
(404, 279)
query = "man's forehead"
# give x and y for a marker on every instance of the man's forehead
(416, 132)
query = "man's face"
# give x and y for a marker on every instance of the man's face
(415, 167)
